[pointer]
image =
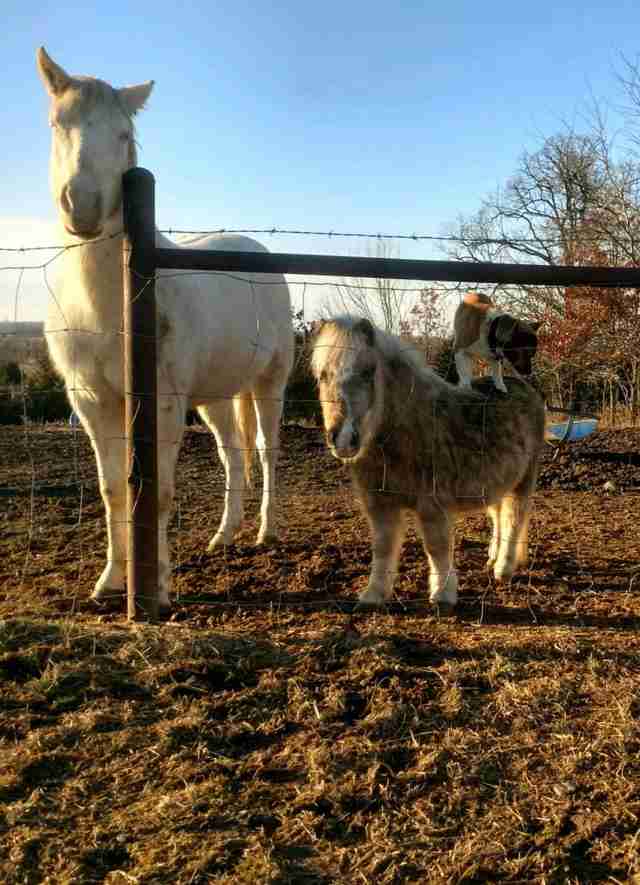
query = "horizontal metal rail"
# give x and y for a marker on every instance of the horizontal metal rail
(396, 268)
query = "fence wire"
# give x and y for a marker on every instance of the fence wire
(81, 524)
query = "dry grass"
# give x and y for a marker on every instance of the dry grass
(380, 751)
(263, 736)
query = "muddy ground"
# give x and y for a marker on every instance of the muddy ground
(264, 734)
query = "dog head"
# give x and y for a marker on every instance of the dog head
(517, 341)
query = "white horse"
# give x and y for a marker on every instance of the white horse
(225, 345)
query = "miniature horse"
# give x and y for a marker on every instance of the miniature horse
(416, 443)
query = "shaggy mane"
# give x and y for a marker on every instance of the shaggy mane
(338, 333)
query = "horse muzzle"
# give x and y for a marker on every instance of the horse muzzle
(81, 211)
(344, 441)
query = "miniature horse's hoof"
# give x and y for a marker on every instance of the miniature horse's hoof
(107, 599)
(370, 604)
(444, 609)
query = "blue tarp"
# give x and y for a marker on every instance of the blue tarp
(579, 430)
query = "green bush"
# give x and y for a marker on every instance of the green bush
(11, 410)
(301, 394)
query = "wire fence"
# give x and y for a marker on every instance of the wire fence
(56, 465)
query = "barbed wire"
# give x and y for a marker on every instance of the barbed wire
(86, 489)
(276, 230)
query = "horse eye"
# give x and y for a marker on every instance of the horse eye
(367, 374)
(323, 376)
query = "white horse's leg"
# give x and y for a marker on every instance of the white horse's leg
(513, 531)
(171, 424)
(219, 418)
(387, 530)
(435, 529)
(268, 401)
(104, 423)
(494, 515)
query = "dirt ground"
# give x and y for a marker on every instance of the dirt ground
(264, 734)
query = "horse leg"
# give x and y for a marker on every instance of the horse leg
(104, 422)
(171, 423)
(435, 529)
(513, 536)
(387, 530)
(522, 544)
(268, 402)
(220, 419)
(494, 546)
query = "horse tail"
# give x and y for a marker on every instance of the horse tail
(245, 416)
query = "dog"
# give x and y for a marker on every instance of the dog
(494, 336)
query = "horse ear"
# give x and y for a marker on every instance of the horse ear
(134, 97)
(55, 78)
(365, 327)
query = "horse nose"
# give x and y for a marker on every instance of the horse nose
(84, 208)
(65, 199)
(332, 435)
(355, 439)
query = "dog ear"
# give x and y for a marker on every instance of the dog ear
(365, 327)
(505, 329)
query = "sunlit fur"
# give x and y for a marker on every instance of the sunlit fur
(225, 344)
(428, 448)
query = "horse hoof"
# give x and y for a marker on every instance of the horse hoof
(444, 609)
(363, 605)
(264, 540)
(370, 602)
(107, 599)
(503, 580)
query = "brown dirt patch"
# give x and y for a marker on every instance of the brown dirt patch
(262, 734)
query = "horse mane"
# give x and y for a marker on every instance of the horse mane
(337, 334)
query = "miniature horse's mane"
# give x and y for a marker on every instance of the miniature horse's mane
(337, 334)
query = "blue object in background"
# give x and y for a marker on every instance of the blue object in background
(579, 429)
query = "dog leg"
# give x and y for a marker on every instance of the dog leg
(498, 378)
(464, 365)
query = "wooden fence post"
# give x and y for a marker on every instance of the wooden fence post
(141, 399)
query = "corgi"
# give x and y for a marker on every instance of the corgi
(494, 336)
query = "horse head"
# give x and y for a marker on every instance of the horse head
(92, 146)
(348, 368)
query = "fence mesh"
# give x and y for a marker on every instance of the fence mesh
(583, 544)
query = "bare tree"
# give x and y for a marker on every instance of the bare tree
(539, 215)
(387, 303)
(574, 201)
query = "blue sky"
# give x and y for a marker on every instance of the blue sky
(344, 116)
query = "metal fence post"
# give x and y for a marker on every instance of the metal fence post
(141, 400)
